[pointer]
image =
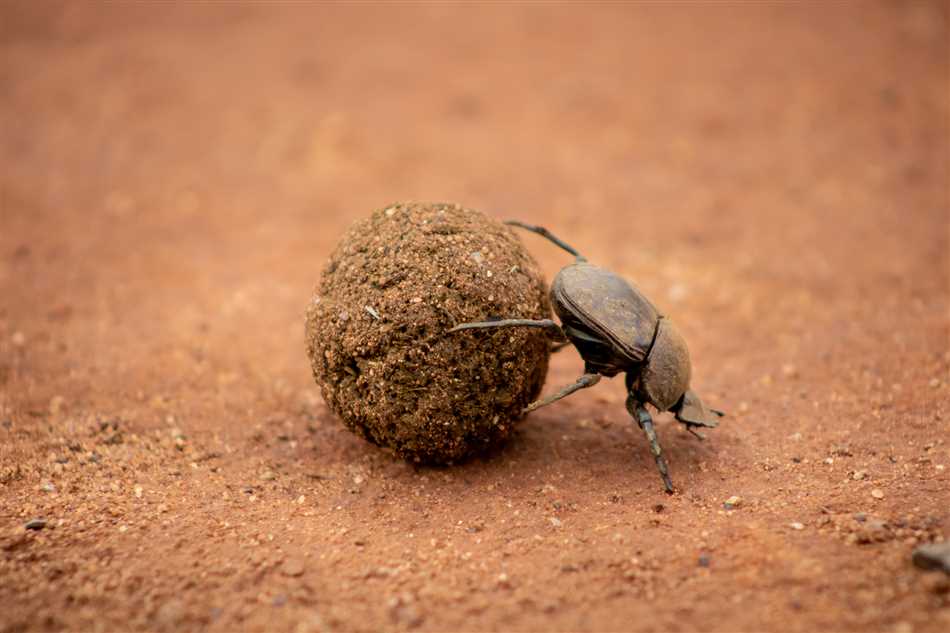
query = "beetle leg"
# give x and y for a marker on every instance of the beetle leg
(557, 347)
(585, 381)
(550, 326)
(699, 436)
(543, 232)
(646, 423)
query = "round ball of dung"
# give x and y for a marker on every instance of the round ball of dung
(378, 331)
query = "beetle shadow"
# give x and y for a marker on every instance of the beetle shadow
(578, 442)
(549, 445)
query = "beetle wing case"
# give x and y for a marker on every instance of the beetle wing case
(608, 305)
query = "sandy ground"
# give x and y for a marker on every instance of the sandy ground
(173, 178)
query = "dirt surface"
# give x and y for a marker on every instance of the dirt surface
(174, 178)
(379, 340)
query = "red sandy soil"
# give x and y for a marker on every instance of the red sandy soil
(172, 179)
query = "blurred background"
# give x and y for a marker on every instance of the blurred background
(774, 175)
(225, 148)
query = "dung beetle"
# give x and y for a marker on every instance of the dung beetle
(616, 329)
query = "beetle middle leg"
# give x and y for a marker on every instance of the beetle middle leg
(585, 381)
(643, 418)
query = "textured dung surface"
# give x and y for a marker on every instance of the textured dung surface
(376, 330)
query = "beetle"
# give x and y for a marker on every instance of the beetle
(615, 328)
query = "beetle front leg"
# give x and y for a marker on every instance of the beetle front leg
(646, 423)
(699, 436)
(552, 328)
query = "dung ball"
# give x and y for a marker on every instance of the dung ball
(377, 331)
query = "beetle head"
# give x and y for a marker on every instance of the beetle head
(691, 411)
(665, 376)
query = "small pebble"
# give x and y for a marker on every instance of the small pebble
(704, 560)
(797, 526)
(858, 475)
(873, 531)
(933, 556)
(292, 567)
(877, 493)
(170, 614)
(35, 524)
(903, 627)
(268, 475)
(732, 502)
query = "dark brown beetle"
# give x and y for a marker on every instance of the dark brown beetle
(616, 329)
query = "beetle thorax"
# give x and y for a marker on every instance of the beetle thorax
(666, 373)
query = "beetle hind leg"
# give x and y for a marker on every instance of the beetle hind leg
(553, 329)
(543, 232)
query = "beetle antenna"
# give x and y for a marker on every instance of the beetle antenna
(543, 232)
